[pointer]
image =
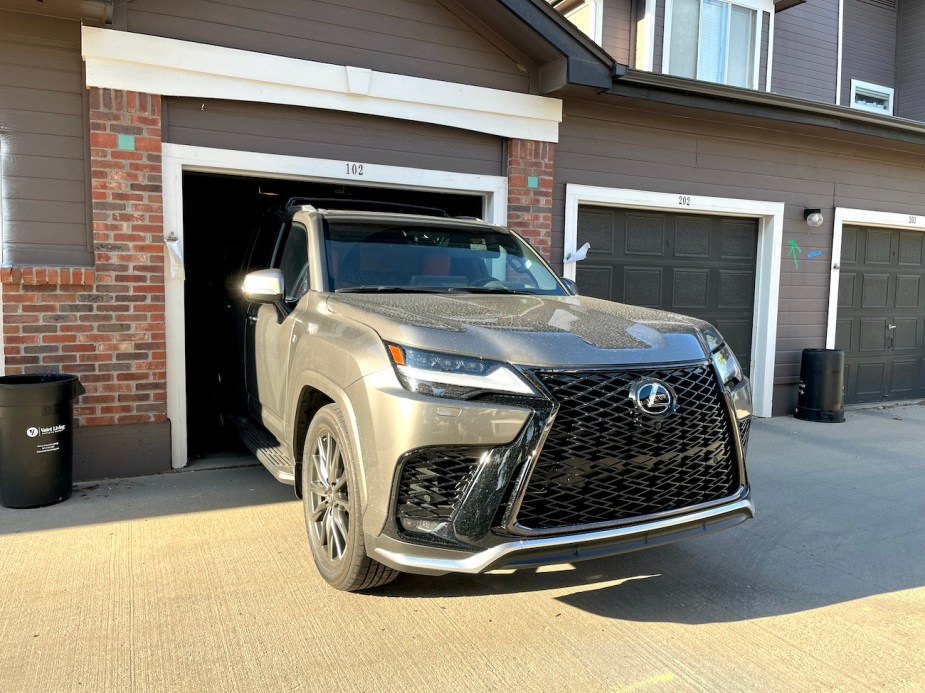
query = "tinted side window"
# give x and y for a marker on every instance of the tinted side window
(293, 262)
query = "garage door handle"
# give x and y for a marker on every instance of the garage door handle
(891, 327)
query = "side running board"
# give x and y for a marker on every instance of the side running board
(265, 448)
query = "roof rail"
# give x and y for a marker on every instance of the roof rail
(365, 205)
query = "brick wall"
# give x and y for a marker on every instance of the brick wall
(105, 323)
(529, 170)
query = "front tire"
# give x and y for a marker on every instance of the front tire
(331, 499)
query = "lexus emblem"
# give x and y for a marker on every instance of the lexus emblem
(653, 398)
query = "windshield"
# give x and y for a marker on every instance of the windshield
(369, 256)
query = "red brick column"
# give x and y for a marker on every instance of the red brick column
(106, 323)
(529, 171)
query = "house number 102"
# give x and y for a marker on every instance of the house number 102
(354, 169)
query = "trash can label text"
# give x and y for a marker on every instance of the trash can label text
(34, 431)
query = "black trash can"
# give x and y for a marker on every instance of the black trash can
(37, 438)
(822, 386)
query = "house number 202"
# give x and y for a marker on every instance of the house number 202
(684, 200)
(354, 169)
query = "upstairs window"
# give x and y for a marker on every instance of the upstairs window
(714, 40)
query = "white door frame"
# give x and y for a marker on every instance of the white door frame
(859, 217)
(178, 159)
(770, 216)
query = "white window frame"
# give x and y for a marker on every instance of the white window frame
(760, 7)
(178, 159)
(596, 13)
(887, 92)
(770, 216)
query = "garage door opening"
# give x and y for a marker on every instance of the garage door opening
(219, 215)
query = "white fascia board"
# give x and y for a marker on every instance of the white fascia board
(169, 67)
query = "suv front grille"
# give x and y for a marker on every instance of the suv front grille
(605, 462)
(431, 481)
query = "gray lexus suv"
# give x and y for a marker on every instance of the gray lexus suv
(443, 402)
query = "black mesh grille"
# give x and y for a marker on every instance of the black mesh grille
(604, 461)
(431, 481)
(744, 427)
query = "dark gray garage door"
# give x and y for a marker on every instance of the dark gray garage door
(697, 265)
(881, 314)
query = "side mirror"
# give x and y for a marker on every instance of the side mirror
(570, 285)
(264, 286)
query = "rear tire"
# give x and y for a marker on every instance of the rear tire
(331, 499)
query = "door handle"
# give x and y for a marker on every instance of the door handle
(891, 327)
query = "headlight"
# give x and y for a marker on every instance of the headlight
(727, 365)
(456, 377)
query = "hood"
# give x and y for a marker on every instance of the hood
(557, 331)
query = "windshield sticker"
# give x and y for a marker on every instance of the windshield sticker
(478, 244)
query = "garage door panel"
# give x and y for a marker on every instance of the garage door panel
(877, 247)
(736, 289)
(846, 286)
(905, 334)
(908, 291)
(873, 335)
(738, 334)
(642, 286)
(739, 240)
(870, 378)
(875, 290)
(843, 333)
(910, 249)
(849, 245)
(692, 237)
(596, 228)
(645, 234)
(595, 280)
(689, 289)
(902, 380)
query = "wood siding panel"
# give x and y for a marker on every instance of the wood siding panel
(328, 135)
(869, 49)
(763, 52)
(44, 148)
(621, 146)
(617, 29)
(412, 37)
(910, 63)
(806, 51)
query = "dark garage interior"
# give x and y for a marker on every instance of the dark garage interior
(220, 212)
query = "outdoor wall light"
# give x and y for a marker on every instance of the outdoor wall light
(813, 217)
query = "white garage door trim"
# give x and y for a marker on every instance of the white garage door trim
(859, 217)
(178, 159)
(770, 216)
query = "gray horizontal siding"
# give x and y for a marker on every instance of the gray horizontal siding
(763, 52)
(45, 153)
(412, 37)
(328, 135)
(719, 155)
(659, 34)
(910, 63)
(805, 62)
(617, 29)
(869, 46)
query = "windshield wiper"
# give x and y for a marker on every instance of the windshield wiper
(485, 290)
(384, 289)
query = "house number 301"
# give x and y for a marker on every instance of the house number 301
(354, 169)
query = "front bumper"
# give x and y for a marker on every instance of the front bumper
(525, 553)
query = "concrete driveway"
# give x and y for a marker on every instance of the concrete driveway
(201, 581)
